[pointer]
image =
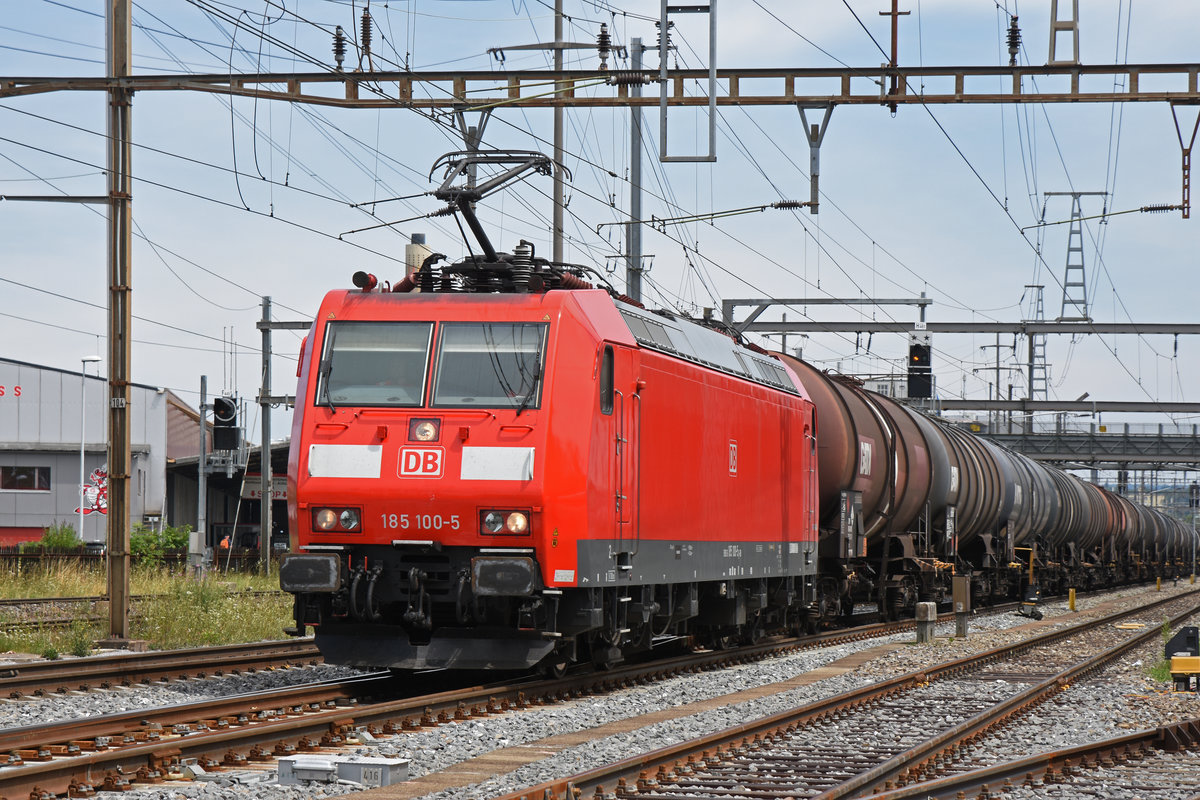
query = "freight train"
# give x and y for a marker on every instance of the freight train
(496, 465)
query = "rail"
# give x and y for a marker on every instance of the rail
(65, 757)
(625, 776)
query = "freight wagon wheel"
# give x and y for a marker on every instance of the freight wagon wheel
(900, 598)
(829, 601)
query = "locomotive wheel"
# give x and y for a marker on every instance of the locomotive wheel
(603, 658)
(724, 638)
(606, 651)
(753, 631)
(555, 666)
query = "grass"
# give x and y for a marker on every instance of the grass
(1160, 671)
(183, 612)
(196, 613)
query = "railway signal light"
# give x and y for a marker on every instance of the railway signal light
(920, 366)
(226, 433)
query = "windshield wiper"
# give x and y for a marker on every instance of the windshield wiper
(324, 373)
(537, 376)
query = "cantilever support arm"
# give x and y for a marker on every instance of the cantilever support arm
(814, 134)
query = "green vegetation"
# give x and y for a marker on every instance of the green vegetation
(1160, 671)
(59, 536)
(54, 577)
(176, 610)
(148, 546)
(196, 613)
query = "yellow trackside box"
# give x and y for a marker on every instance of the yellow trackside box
(1185, 665)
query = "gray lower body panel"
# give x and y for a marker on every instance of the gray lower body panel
(603, 562)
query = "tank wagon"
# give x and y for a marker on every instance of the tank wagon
(908, 500)
(511, 468)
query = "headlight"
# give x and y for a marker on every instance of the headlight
(343, 519)
(424, 430)
(504, 522)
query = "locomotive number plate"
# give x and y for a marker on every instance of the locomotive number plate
(420, 522)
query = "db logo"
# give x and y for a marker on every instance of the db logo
(421, 462)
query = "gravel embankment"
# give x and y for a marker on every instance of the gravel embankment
(1106, 706)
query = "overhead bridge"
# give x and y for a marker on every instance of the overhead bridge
(1117, 447)
(1069, 432)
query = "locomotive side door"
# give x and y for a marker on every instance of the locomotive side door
(626, 446)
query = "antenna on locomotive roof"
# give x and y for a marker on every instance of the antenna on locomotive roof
(458, 165)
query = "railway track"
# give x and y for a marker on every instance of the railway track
(1162, 762)
(63, 758)
(855, 743)
(39, 678)
(116, 750)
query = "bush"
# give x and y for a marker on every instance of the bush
(148, 546)
(174, 538)
(80, 638)
(59, 536)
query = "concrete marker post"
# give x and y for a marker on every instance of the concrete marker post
(926, 619)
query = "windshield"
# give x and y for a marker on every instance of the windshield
(490, 364)
(374, 364)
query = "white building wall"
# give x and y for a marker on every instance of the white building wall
(40, 427)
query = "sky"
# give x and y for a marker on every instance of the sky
(238, 198)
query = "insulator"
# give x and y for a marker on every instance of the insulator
(1158, 208)
(1014, 42)
(628, 77)
(788, 204)
(339, 46)
(603, 46)
(660, 34)
(522, 265)
(429, 277)
(366, 31)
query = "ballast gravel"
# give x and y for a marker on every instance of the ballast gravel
(78, 705)
(433, 750)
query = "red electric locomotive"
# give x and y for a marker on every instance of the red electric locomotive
(510, 468)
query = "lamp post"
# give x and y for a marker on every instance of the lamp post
(83, 362)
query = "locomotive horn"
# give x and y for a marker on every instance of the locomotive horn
(364, 280)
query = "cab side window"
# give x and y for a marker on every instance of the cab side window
(606, 381)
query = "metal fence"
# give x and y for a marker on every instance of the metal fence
(240, 559)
